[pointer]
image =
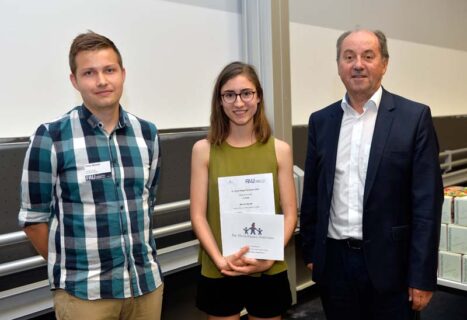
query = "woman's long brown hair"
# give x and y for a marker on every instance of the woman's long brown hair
(220, 123)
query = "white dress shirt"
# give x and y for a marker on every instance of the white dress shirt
(353, 151)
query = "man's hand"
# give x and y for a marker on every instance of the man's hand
(310, 266)
(419, 298)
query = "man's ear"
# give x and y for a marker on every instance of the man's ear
(74, 81)
(385, 62)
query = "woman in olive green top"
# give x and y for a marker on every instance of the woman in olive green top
(239, 143)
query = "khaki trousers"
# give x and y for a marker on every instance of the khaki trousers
(145, 307)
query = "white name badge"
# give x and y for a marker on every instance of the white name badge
(247, 194)
(97, 171)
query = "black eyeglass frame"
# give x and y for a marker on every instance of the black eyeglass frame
(245, 91)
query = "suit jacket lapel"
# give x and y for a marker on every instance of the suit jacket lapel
(333, 138)
(382, 128)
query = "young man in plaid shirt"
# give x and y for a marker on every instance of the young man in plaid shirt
(88, 193)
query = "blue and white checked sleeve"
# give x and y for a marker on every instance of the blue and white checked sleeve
(38, 179)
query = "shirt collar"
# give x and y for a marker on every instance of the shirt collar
(94, 122)
(374, 101)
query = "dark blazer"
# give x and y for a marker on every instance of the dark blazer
(402, 198)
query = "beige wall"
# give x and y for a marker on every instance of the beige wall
(173, 50)
(433, 75)
(427, 46)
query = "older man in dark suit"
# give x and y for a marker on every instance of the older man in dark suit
(372, 198)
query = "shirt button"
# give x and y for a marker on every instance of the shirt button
(121, 207)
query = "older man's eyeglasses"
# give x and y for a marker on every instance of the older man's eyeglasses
(231, 96)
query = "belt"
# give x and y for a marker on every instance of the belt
(351, 243)
(354, 243)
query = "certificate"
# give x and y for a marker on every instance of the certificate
(263, 234)
(247, 194)
(248, 217)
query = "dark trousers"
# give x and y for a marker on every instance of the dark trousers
(347, 292)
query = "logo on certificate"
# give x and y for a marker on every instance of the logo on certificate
(253, 230)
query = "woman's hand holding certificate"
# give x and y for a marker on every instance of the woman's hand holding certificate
(251, 265)
(235, 259)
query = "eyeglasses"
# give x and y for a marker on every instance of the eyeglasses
(231, 96)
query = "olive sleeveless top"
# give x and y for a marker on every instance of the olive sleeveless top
(224, 161)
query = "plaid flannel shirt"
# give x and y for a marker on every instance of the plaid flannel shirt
(96, 191)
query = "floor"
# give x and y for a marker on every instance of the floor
(308, 307)
(180, 290)
(446, 304)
